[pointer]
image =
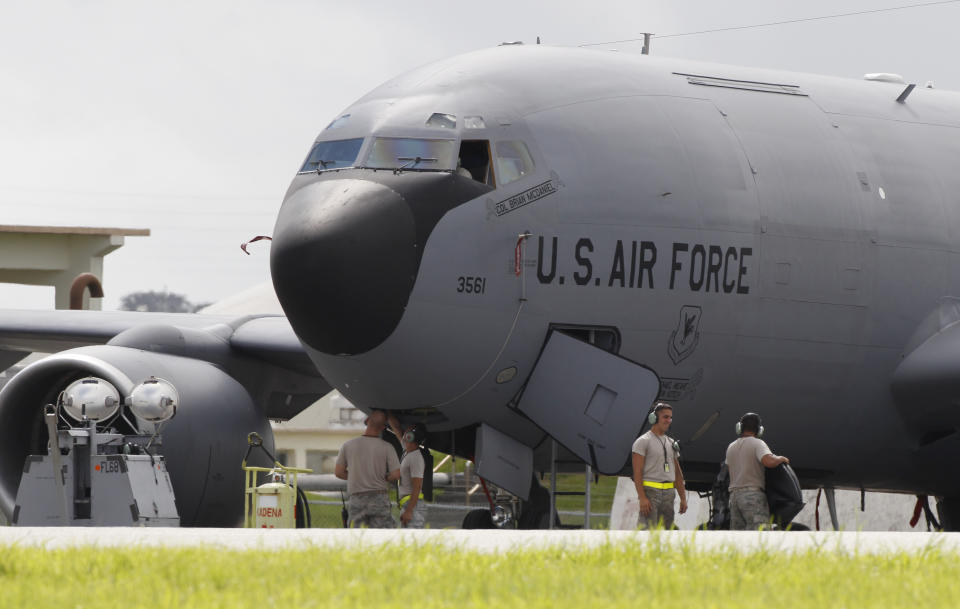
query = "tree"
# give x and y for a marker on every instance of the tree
(164, 302)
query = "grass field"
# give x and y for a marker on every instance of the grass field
(432, 576)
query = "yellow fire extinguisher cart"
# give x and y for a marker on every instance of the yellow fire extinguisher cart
(273, 504)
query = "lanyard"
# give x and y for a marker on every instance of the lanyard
(666, 463)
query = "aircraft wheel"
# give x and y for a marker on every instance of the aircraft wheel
(535, 512)
(796, 526)
(478, 519)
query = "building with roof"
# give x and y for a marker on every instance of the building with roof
(57, 255)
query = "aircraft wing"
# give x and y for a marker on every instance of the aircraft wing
(265, 348)
(272, 339)
(52, 331)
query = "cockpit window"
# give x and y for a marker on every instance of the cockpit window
(335, 154)
(474, 122)
(474, 162)
(338, 122)
(513, 161)
(447, 121)
(411, 154)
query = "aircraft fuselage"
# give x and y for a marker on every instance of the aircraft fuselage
(763, 241)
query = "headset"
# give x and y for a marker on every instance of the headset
(753, 418)
(655, 413)
(417, 433)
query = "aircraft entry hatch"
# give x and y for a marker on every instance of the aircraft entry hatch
(591, 401)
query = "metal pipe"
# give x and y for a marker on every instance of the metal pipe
(832, 506)
(50, 416)
(587, 507)
(553, 481)
(82, 282)
(443, 462)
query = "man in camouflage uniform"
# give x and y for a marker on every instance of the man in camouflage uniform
(656, 472)
(369, 464)
(747, 456)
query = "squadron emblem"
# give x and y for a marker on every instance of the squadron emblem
(684, 339)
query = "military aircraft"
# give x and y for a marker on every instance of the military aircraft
(529, 243)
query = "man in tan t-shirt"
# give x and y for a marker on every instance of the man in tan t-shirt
(746, 459)
(656, 472)
(369, 464)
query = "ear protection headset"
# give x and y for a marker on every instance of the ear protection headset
(655, 413)
(417, 433)
(752, 417)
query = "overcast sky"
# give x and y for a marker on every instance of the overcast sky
(190, 118)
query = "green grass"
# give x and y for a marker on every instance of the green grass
(601, 492)
(433, 576)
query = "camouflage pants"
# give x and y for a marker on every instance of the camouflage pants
(370, 510)
(749, 510)
(661, 508)
(419, 519)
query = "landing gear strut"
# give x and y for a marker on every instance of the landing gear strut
(948, 509)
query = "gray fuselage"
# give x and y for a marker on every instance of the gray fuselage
(763, 241)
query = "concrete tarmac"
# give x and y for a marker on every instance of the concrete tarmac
(475, 540)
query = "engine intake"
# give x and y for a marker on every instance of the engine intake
(203, 445)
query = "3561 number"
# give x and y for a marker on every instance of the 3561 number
(472, 285)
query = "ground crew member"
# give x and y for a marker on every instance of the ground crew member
(413, 509)
(746, 458)
(369, 464)
(656, 471)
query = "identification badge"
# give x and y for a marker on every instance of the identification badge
(666, 467)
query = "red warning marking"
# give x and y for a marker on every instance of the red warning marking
(518, 257)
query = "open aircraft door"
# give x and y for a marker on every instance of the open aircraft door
(591, 401)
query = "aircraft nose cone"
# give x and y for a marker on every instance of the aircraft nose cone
(344, 260)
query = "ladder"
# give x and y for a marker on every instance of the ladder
(554, 493)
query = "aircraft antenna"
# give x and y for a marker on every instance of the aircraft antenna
(906, 93)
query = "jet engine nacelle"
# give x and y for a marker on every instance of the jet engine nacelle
(203, 444)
